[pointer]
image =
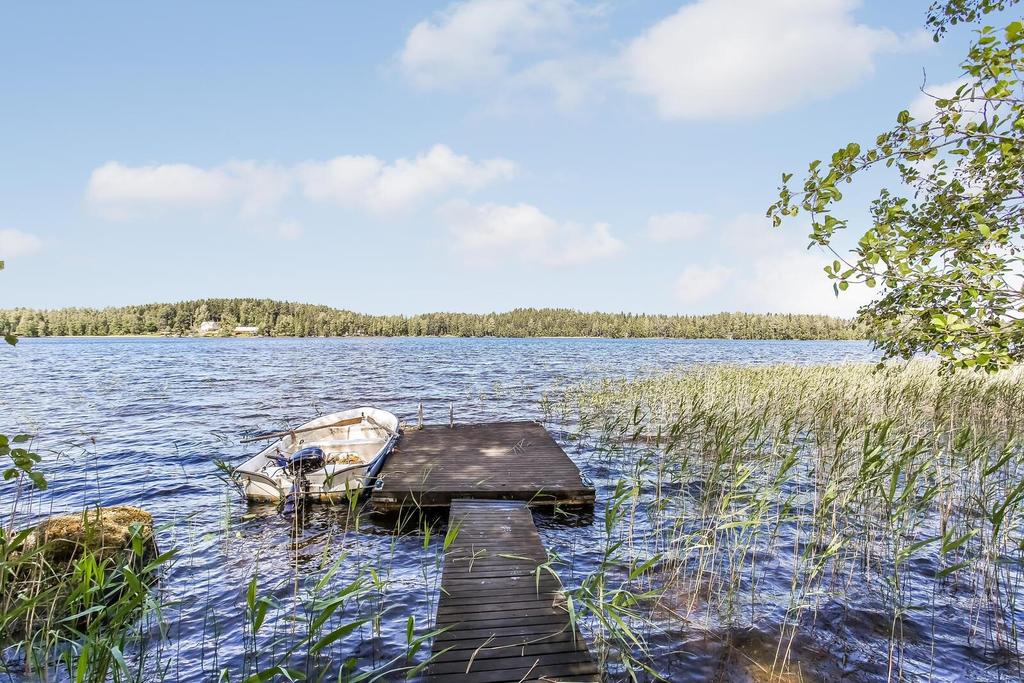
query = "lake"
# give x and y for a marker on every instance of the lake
(141, 422)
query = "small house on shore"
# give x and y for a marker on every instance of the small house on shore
(209, 327)
(246, 330)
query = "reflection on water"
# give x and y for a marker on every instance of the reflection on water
(131, 421)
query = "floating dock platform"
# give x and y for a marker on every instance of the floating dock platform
(505, 615)
(435, 465)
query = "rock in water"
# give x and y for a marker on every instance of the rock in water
(40, 586)
(103, 531)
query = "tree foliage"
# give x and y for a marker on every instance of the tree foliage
(286, 319)
(946, 248)
(942, 15)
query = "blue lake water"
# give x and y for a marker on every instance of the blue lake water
(140, 422)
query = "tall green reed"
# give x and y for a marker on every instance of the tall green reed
(847, 478)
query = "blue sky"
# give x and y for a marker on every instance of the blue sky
(409, 157)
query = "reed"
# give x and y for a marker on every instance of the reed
(71, 606)
(120, 618)
(796, 499)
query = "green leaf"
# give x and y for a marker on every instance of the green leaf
(337, 634)
(946, 571)
(950, 544)
(115, 652)
(38, 480)
(642, 568)
(273, 673)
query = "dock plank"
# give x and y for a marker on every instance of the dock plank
(435, 465)
(502, 624)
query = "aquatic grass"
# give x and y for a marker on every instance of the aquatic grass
(76, 616)
(607, 603)
(100, 622)
(773, 493)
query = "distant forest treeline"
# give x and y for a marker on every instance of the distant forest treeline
(284, 319)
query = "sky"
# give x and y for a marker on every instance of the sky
(405, 157)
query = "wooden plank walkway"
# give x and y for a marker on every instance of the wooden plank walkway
(503, 624)
(497, 460)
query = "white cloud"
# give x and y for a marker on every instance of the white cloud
(14, 243)
(256, 189)
(747, 265)
(492, 232)
(582, 245)
(795, 282)
(741, 58)
(475, 41)
(710, 59)
(119, 190)
(115, 183)
(787, 281)
(753, 233)
(696, 284)
(260, 186)
(368, 181)
(289, 230)
(680, 226)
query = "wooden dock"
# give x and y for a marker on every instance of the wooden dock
(506, 618)
(437, 464)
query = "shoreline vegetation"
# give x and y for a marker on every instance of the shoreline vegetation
(820, 522)
(266, 317)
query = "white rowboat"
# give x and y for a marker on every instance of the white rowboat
(323, 459)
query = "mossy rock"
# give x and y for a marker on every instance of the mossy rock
(105, 532)
(40, 582)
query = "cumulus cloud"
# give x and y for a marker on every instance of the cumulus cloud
(114, 183)
(753, 233)
(794, 281)
(254, 187)
(369, 182)
(679, 226)
(15, 243)
(696, 284)
(710, 59)
(257, 188)
(786, 281)
(746, 264)
(741, 58)
(493, 232)
(476, 41)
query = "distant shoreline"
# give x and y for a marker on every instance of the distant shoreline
(224, 318)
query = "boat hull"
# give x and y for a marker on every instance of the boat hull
(260, 479)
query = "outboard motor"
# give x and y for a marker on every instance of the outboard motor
(308, 459)
(298, 465)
